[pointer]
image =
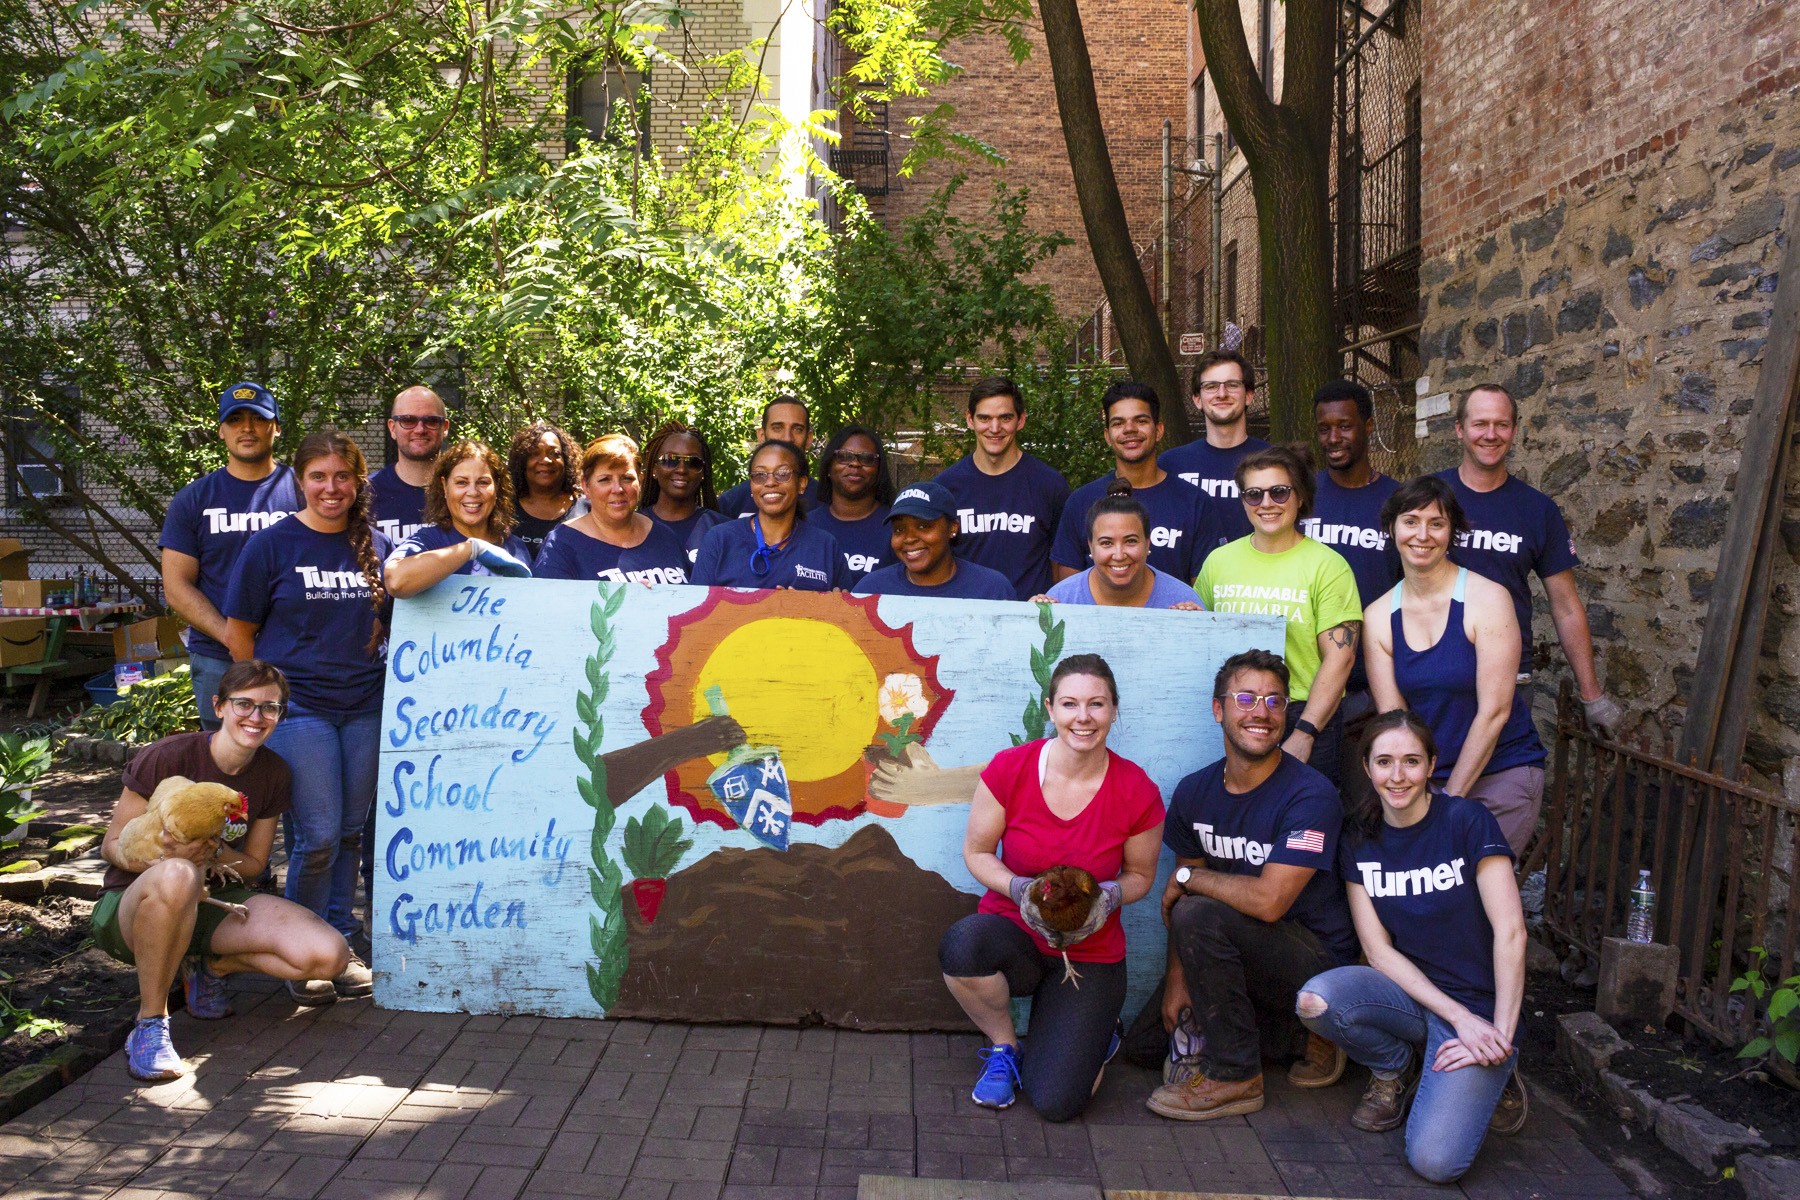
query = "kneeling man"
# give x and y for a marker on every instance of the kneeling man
(1255, 905)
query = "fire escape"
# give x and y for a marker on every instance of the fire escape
(862, 158)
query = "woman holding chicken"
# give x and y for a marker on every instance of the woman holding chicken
(1062, 832)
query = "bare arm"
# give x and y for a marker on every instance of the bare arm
(1378, 654)
(1493, 630)
(1058, 572)
(1500, 900)
(1266, 896)
(127, 809)
(1337, 655)
(181, 589)
(240, 639)
(1572, 631)
(1139, 873)
(987, 822)
(415, 573)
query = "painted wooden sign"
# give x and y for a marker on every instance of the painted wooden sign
(716, 805)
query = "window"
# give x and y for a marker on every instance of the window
(32, 455)
(594, 105)
(1198, 94)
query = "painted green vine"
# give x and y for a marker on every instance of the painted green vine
(1043, 662)
(606, 933)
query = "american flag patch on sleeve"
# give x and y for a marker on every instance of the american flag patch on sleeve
(1307, 841)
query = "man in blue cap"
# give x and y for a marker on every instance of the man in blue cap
(209, 521)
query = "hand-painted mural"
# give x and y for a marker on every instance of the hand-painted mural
(706, 804)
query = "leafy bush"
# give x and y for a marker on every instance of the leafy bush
(1780, 1003)
(23, 762)
(150, 710)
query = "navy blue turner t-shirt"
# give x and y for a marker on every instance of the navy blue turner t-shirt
(569, 553)
(1421, 880)
(865, 544)
(810, 561)
(1349, 521)
(436, 537)
(972, 581)
(210, 520)
(1514, 530)
(1214, 472)
(399, 506)
(690, 529)
(1184, 526)
(1293, 817)
(1008, 521)
(310, 599)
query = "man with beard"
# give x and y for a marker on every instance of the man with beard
(1255, 905)
(1224, 384)
(208, 523)
(1184, 527)
(784, 419)
(418, 423)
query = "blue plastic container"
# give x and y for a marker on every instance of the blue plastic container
(101, 691)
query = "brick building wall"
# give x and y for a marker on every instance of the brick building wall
(1139, 52)
(1605, 193)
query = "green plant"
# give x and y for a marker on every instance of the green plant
(1043, 662)
(23, 762)
(17, 1018)
(654, 845)
(1781, 1009)
(152, 709)
(606, 933)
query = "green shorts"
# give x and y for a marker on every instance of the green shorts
(109, 939)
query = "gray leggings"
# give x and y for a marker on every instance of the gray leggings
(1071, 1026)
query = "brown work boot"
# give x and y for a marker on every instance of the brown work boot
(1385, 1102)
(1510, 1112)
(1322, 1066)
(1202, 1099)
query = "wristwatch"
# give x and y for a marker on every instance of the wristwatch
(1182, 875)
(1307, 727)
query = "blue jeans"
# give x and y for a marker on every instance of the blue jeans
(1380, 1026)
(205, 672)
(335, 760)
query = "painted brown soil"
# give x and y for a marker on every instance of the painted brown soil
(844, 936)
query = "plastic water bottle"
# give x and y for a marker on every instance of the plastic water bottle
(1640, 923)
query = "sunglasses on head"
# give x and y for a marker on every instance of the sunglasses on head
(1247, 702)
(415, 422)
(1278, 494)
(673, 462)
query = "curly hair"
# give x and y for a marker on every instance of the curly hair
(523, 447)
(360, 530)
(437, 506)
(653, 450)
(884, 479)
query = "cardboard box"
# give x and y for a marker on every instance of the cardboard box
(37, 593)
(22, 640)
(151, 638)
(15, 559)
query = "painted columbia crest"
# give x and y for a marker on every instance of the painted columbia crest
(710, 804)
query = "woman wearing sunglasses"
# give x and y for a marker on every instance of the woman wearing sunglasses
(678, 491)
(1118, 540)
(855, 490)
(773, 547)
(541, 463)
(1278, 569)
(612, 540)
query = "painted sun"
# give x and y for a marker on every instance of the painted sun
(820, 678)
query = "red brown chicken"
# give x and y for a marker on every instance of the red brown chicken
(1065, 898)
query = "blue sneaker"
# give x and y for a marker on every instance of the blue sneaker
(205, 992)
(149, 1055)
(998, 1079)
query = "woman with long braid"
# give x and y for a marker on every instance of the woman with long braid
(307, 596)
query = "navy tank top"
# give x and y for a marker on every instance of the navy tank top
(1439, 684)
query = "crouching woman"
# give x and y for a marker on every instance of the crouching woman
(1062, 802)
(1437, 911)
(151, 914)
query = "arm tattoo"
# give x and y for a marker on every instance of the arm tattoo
(1344, 636)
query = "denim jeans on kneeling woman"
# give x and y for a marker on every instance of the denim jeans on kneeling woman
(335, 761)
(1378, 1025)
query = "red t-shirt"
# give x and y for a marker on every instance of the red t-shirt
(1036, 839)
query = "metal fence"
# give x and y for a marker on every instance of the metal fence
(1721, 852)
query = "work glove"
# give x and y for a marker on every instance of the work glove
(1104, 906)
(1604, 715)
(498, 561)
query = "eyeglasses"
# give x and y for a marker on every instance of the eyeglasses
(674, 462)
(857, 457)
(1247, 701)
(778, 475)
(1279, 494)
(1213, 387)
(243, 706)
(415, 422)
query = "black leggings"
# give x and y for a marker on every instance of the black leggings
(1071, 1026)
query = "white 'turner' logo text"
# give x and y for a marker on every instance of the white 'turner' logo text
(860, 562)
(1415, 882)
(1343, 535)
(1490, 539)
(1246, 849)
(219, 520)
(1224, 489)
(312, 577)
(971, 521)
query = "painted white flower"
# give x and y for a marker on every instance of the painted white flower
(901, 696)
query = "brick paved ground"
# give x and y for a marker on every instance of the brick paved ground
(355, 1102)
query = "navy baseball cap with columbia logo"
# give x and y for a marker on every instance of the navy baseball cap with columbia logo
(253, 396)
(928, 500)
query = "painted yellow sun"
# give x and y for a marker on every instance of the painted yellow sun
(819, 677)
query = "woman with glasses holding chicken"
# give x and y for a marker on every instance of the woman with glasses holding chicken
(774, 547)
(1278, 569)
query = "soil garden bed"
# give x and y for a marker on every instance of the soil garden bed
(58, 989)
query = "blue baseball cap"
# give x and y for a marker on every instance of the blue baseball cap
(253, 396)
(929, 500)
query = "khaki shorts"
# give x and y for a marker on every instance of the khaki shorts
(109, 939)
(1515, 797)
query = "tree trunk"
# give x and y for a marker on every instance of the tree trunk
(1103, 213)
(1288, 149)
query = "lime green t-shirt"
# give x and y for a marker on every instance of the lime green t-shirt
(1311, 585)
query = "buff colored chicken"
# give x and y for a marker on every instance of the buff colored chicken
(187, 812)
(1065, 905)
